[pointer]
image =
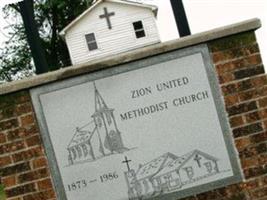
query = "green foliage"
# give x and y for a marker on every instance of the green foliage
(51, 17)
(2, 194)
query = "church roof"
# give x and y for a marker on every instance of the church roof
(154, 166)
(153, 8)
(83, 134)
(179, 162)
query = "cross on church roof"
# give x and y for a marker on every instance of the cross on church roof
(197, 159)
(107, 15)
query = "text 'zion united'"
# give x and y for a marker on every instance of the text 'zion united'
(165, 105)
(159, 87)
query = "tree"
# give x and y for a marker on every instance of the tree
(51, 17)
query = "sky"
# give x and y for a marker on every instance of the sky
(203, 15)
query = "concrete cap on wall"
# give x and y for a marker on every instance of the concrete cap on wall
(123, 58)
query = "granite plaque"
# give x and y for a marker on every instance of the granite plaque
(151, 129)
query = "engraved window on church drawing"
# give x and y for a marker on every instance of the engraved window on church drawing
(99, 122)
(108, 116)
(208, 166)
(139, 29)
(91, 41)
(189, 171)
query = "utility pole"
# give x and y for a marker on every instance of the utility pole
(180, 18)
(27, 13)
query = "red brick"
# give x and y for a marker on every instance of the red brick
(45, 184)
(263, 114)
(229, 89)
(249, 162)
(258, 138)
(24, 108)
(8, 124)
(2, 138)
(27, 120)
(263, 102)
(262, 161)
(28, 154)
(4, 161)
(235, 53)
(236, 121)
(247, 130)
(20, 190)
(225, 78)
(22, 132)
(12, 147)
(252, 117)
(241, 108)
(242, 143)
(7, 113)
(34, 140)
(9, 181)
(14, 169)
(259, 193)
(235, 41)
(249, 95)
(230, 100)
(255, 171)
(39, 162)
(241, 63)
(253, 150)
(211, 195)
(249, 72)
(259, 81)
(250, 185)
(244, 85)
(40, 195)
(263, 180)
(33, 175)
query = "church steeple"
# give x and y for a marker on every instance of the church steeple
(106, 126)
(100, 104)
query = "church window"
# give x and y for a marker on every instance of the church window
(78, 149)
(91, 41)
(146, 185)
(189, 171)
(108, 115)
(208, 166)
(139, 29)
(99, 122)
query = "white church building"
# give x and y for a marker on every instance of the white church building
(110, 27)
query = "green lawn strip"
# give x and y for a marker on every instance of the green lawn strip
(2, 194)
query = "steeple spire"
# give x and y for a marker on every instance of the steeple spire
(99, 101)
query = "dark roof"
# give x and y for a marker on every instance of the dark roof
(153, 167)
(83, 135)
(179, 162)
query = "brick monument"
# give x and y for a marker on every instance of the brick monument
(24, 169)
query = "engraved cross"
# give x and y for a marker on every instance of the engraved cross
(197, 159)
(107, 15)
(127, 163)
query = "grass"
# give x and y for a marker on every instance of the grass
(2, 194)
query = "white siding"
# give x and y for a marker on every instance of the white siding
(119, 39)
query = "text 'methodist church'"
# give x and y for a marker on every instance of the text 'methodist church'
(110, 27)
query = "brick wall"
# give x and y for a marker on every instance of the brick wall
(23, 165)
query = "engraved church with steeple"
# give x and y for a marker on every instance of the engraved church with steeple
(98, 138)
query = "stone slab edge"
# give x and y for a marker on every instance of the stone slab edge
(137, 54)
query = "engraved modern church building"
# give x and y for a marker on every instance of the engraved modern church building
(169, 173)
(99, 138)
